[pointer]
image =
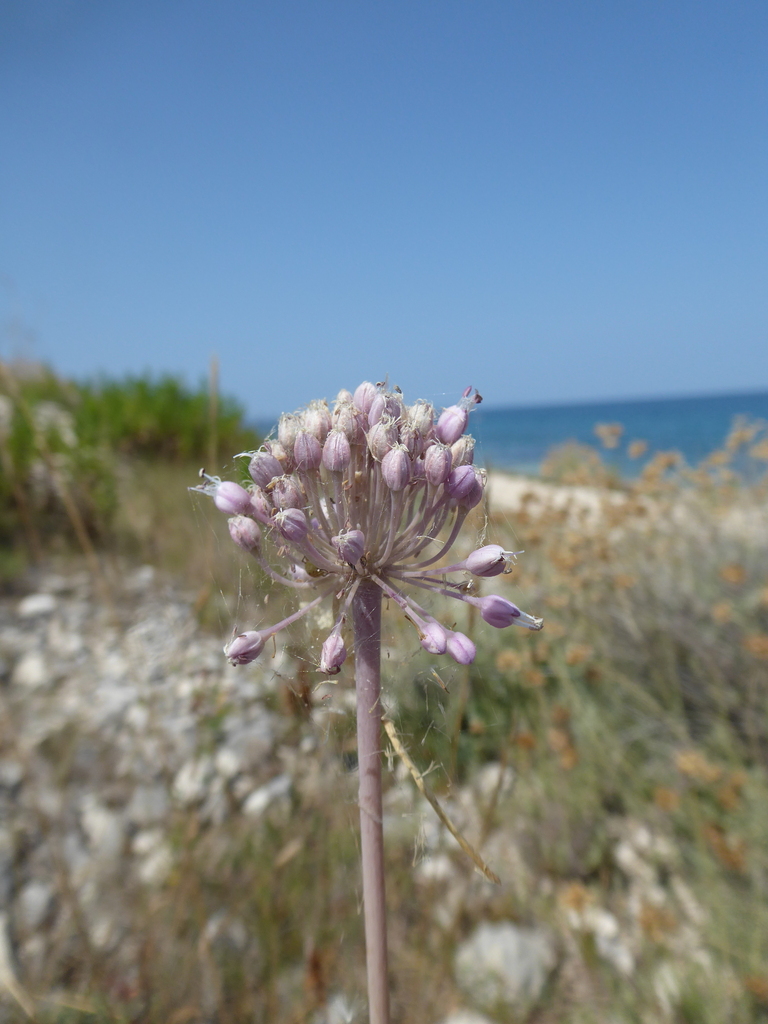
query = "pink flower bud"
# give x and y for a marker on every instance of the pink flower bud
(453, 420)
(317, 420)
(336, 452)
(396, 468)
(490, 560)
(437, 464)
(286, 493)
(283, 457)
(245, 533)
(475, 494)
(334, 654)
(385, 404)
(463, 451)
(231, 498)
(246, 647)
(349, 421)
(421, 416)
(461, 648)
(261, 506)
(344, 397)
(287, 429)
(451, 424)
(499, 612)
(350, 545)
(263, 468)
(460, 482)
(434, 638)
(381, 438)
(292, 524)
(307, 452)
(417, 471)
(411, 440)
(364, 396)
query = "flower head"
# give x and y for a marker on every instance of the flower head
(374, 490)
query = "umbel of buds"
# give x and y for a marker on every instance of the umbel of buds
(373, 490)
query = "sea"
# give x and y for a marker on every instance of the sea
(518, 438)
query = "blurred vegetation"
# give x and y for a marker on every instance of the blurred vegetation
(643, 703)
(70, 450)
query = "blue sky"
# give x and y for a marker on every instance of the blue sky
(550, 201)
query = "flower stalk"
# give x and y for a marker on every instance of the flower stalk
(354, 505)
(366, 615)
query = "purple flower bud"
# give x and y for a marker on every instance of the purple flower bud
(382, 437)
(292, 524)
(451, 424)
(463, 451)
(490, 560)
(287, 429)
(434, 638)
(307, 452)
(246, 647)
(461, 648)
(396, 468)
(350, 545)
(333, 656)
(460, 482)
(286, 493)
(317, 420)
(245, 533)
(231, 498)
(411, 440)
(497, 611)
(453, 420)
(475, 494)
(261, 506)
(364, 396)
(344, 397)
(336, 452)
(385, 404)
(437, 464)
(263, 468)
(417, 471)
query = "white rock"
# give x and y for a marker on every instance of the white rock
(616, 952)
(486, 782)
(11, 774)
(228, 762)
(466, 1017)
(438, 868)
(192, 780)
(147, 805)
(33, 904)
(156, 866)
(31, 671)
(104, 829)
(261, 798)
(137, 716)
(36, 604)
(503, 964)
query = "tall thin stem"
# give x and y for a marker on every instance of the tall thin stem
(366, 615)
